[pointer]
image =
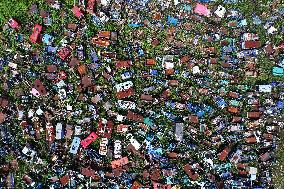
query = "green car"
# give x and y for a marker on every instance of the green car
(234, 103)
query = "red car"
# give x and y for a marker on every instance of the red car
(90, 6)
(282, 46)
(190, 172)
(104, 129)
(62, 75)
(13, 23)
(64, 53)
(39, 87)
(125, 93)
(224, 154)
(77, 12)
(122, 128)
(123, 64)
(87, 141)
(36, 31)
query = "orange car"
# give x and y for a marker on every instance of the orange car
(233, 110)
(119, 163)
(104, 34)
(223, 155)
(101, 42)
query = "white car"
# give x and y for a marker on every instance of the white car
(135, 143)
(117, 149)
(28, 152)
(250, 36)
(59, 133)
(168, 61)
(62, 93)
(126, 104)
(108, 69)
(124, 86)
(103, 146)
(179, 131)
(78, 130)
(220, 11)
(105, 2)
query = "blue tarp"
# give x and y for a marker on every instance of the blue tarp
(190, 107)
(97, 20)
(170, 104)
(127, 74)
(186, 74)
(155, 152)
(223, 82)
(170, 116)
(169, 180)
(94, 56)
(158, 81)
(228, 49)
(199, 110)
(171, 146)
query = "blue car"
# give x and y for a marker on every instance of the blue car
(75, 145)
(172, 21)
(226, 175)
(135, 25)
(278, 71)
(230, 1)
(220, 102)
